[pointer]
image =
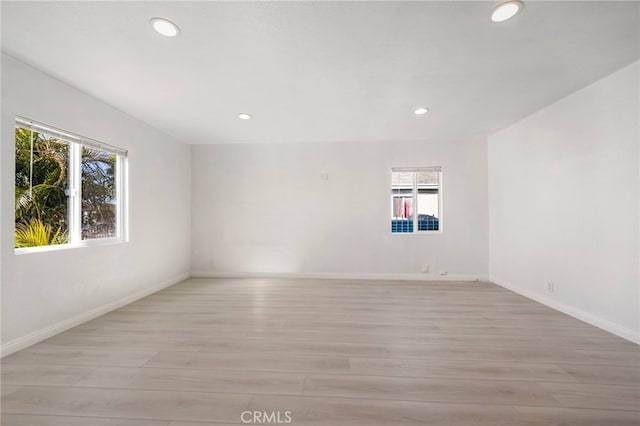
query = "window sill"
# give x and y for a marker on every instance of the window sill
(419, 233)
(60, 247)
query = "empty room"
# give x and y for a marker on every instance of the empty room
(320, 213)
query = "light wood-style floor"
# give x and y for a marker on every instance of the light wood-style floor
(332, 353)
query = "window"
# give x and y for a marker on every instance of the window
(416, 202)
(99, 197)
(69, 190)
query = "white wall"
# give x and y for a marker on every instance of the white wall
(563, 202)
(263, 208)
(46, 292)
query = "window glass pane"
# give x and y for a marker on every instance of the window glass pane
(428, 200)
(41, 182)
(402, 202)
(99, 212)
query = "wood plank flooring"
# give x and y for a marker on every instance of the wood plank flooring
(332, 353)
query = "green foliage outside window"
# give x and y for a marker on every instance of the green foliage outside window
(40, 184)
(42, 191)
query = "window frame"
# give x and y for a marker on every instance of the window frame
(74, 188)
(415, 171)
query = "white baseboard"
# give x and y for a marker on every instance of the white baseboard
(606, 325)
(40, 335)
(341, 276)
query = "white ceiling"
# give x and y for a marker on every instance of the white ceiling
(324, 71)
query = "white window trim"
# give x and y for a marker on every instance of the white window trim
(76, 143)
(68, 246)
(438, 169)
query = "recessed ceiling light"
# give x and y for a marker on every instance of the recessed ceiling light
(420, 111)
(506, 10)
(244, 116)
(165, 27)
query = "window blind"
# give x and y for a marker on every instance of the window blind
(417, 169)
(61, 134)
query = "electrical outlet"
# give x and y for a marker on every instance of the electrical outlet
(324, 176)
(424, 268)
(443, 272)
(550, 287)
